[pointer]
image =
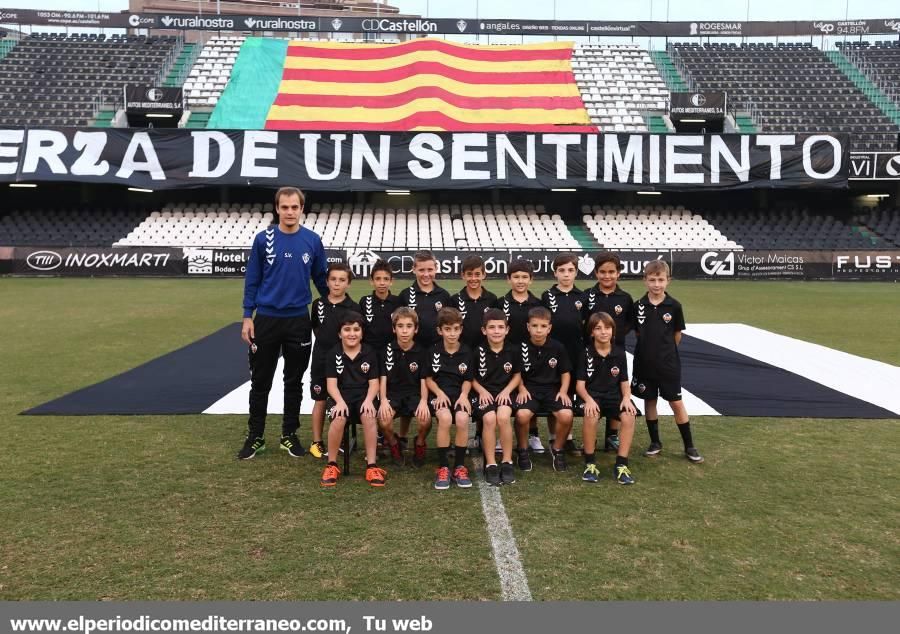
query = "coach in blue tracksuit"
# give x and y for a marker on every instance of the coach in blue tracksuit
(282, 261)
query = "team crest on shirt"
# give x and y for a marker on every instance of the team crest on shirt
(438, 306)
(413, 367)
(578, 304)
(306, 258)
(507, 367)
(552, 362)
(667, 317)
(462, 368)
(614, 370)
(365, 368)
(618, 309)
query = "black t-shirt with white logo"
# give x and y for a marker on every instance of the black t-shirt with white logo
(619, 305)
(378, 329)
(602, 375)
(565, 308)
(404, 369)
(517, 315)
(426, 306)
(472, 311)
(656, 355)
(494, 370)
(543, 366)
(448, 370)
(353, 375)
(325, 318)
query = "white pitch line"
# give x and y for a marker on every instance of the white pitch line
(513, 582)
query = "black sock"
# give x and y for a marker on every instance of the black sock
(532, 431)
(685, 429)
(442, 457)
(609, 430)
(621, 460)
(333, 463)
(369, 466)
(460, 457)
(588, 458)
(653, 428)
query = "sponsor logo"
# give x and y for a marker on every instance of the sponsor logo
(405, 26)
(892, 167)
(552, 362)
(586, 264)
(698, 99)
(462, 368)
(339, 363)
(862, 166)
(4, 15)
(461, 25)
(413, 367)
(436, 361)
(507, 367)
(894, 25)
(281, 24)
(667, 317)
(155, 94)
(614, 370)
(336, 24)
(612, 28)
(200, 262)
(824, 27)
(866, 263)
(641, 315)
(361, 262)
(365, 368)
(198, 22)
(694, 28)
(138, 20)
(44, 260)
(711, 265)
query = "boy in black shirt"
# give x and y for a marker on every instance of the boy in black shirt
(658, 324)
(515, 305)
(402, 386)
(425, 297)
(473, 301)
(378, 307)
(449, 379)
(352, 380)
(564, 301)
(327, 313)
(498, 373)
(602, 385)
(546, 373)
(606, 297)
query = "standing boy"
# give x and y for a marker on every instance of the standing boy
(402, 388)
(498, 374)
(282, 260)
(378, 307)
(658, 324)
(449, 379)
(352, 380)
(425, 297)
(327, 314)
(473, 301)
(546, 374)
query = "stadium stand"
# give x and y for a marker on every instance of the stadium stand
(55, 79)
(210, 73)
(789, 88)
(652, 227)
(193, 224)
(789, 228)
(619, 84)
(879, 63)
(85, 226)
(885, 224)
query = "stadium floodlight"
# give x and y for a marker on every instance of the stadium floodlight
(649, 193)
(140, 189)
(32, 185)
(564, 189)
(397, 192)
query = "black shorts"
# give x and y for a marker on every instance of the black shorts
(318, 391)
(652, 389)
(609, 407)
(453, 396)
(478, 411)
(353, 405)
(404, 404)
(543, 401)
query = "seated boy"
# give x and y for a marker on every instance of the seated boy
(402, 386)
(546, 374)
(449, 379)
(352, 383)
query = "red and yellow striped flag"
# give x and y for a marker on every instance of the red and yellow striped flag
(428, 84)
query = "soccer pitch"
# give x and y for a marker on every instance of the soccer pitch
(157, 507)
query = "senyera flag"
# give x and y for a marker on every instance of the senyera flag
(428, 84)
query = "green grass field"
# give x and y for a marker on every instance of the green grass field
(158, 508)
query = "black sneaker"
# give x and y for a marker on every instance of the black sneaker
(571, 447)
(252, 446)
(653, 450)
(507, 473)
(404, 442)
(492, 475)
(291, 444)
(524, 460)
(693, 455)
(612, 444)
(559, 460)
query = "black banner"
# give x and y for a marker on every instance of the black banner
(704, 105)
(433, 26)
(874, 166)
(97, 262)
(154, 99)
(177, 158)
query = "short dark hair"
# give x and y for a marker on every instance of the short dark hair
(472, 262)
(381, 265)
(539, 312)
(289, 191)
(565, 258)
(448, 316)
(520, 266)
(423, 256)
(340, 266)
(351, 317)
(493, 314)
(596, 318)
(606, 256)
